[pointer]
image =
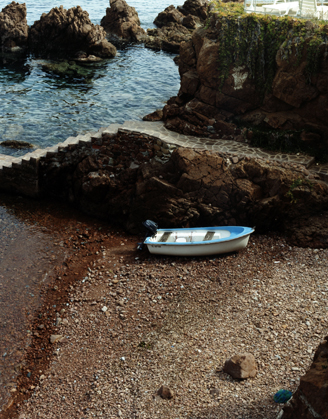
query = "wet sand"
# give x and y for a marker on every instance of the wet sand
(40, 241)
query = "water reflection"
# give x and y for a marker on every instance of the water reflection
(50, 108)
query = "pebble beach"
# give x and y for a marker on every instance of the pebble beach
(133, 322)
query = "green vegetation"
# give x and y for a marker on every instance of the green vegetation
(253, 40)
(296, 183)
(285, 141)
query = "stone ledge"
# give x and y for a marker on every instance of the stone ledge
(165, 142)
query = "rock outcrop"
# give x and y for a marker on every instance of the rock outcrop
(210, 100)
(13, 27)
(194, 188)
(311, 398)
(175, 25)
(122, 23)
(68, 33)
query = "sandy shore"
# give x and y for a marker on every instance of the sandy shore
(132, 322)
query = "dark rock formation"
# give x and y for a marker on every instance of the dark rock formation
(167, 38)
(176, 25)
(311, 398)
(294, 102)
(13, 27)
(16, 144)
(67, 33)
(196, 8)
(192, 189)
(170, 15)
(122, 23)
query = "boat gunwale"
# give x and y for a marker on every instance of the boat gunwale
(209, 242)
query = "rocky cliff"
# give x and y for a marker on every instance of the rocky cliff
(260, 70)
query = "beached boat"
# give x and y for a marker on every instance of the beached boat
(197, 241)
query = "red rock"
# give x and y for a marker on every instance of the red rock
(65, 33)
(241, 366)
(311, 398)
(165, 392)
(122, 22)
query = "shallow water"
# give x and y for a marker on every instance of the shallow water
(44, 109)
(27, 257)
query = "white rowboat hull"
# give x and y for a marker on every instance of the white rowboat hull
(194, 242)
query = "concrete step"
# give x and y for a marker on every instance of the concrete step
(112, 129)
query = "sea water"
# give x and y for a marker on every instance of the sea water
(45, 109)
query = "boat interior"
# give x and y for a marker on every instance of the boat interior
(189, 236)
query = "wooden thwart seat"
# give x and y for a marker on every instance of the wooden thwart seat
(208, 236)
(165, 236)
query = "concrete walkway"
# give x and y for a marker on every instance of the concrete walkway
(158, 130)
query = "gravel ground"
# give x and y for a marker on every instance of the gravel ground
(137, 322)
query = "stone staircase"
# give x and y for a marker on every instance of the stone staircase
(25, 168)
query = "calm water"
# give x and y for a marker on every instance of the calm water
(45, 109)
(27, 257)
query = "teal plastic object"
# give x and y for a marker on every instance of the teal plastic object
(282, 396)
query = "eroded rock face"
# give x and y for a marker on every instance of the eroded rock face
(122, 23)
(13, 27)
(194, 188)
(294, 103)
(311, 398)
(69, 33)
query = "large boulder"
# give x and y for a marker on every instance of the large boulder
(13, 27)
(176, 25)
(122, 23)
(169, 15)
(311, 398)
(68, 33)
(168, 38)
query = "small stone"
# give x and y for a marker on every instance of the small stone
(241, 366)
(56, 338)
(165, 393)
(104, 309)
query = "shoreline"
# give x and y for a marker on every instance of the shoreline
(129, 344)
(54, 294)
